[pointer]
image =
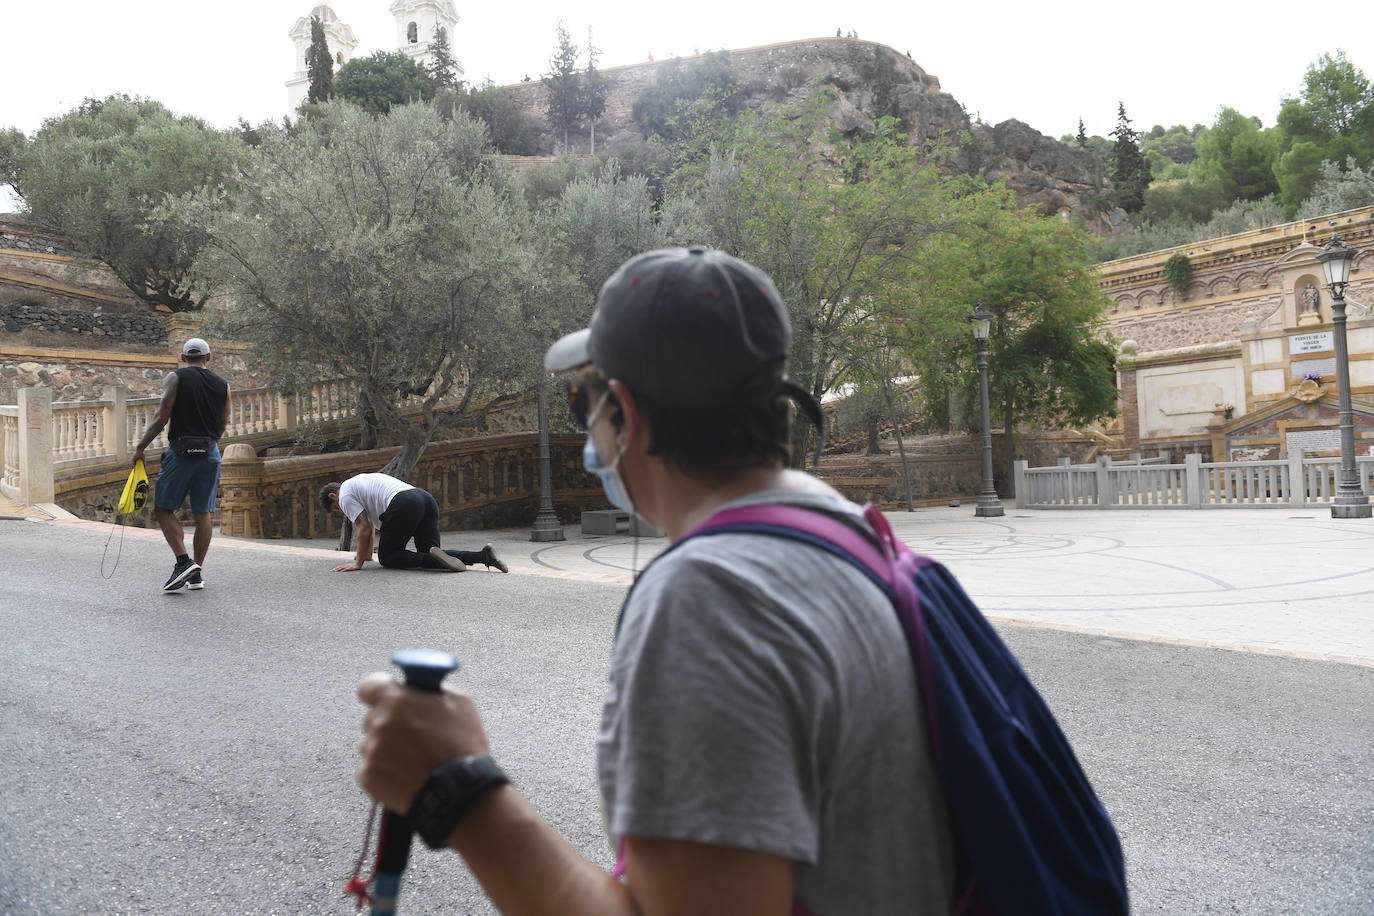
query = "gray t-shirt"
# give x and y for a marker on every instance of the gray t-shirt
(762, 696)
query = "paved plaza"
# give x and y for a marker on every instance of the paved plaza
(194, 752)
(1289, 582)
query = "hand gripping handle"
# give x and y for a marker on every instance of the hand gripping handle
(425, 669)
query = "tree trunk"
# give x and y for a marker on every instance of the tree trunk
(369, 431)
(901, 445)
(402, 465)
(874, 446)
(1009, 444)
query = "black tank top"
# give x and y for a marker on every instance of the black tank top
(199, 407)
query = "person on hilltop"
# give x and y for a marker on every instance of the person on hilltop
(196, 402)
(749, 756)
(394, 512)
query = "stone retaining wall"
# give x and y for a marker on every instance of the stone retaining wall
(83, 375)
(19, 317)
(946, 467)
(21, 234)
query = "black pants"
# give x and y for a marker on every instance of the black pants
(413, 513)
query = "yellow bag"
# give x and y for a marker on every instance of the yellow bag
(135, 495)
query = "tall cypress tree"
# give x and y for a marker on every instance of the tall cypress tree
(565, 87)
(1082, 138)
(1130, 171)
(319, 66)
(593, 104)
(443, 69)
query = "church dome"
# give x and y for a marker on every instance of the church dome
(324, 13)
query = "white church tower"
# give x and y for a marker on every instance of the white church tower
(415, 24)
(341, 43)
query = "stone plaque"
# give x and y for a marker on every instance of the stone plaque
(1313, 440)
(1310, 343)
(1326, 368)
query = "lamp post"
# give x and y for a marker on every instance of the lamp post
(989, 506)
(546, 526)
(1350, 502)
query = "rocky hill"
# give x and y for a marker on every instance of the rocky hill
(1041, 170)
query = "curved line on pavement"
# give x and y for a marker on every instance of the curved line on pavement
(1163, 607)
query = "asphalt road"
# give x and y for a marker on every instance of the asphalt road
(194, 752)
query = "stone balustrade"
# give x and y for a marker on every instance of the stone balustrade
(79, 451)
(44, 440)
(485, 482)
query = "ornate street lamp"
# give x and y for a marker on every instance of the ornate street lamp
(988, 504)
(1350, 502)
(546, 525)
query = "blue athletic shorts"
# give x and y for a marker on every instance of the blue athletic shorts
(178, 477)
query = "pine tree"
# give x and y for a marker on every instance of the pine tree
(1082, 138)
(443, 69)
(565, 95)
(319, 65)
(593, 91)
(1130, 171)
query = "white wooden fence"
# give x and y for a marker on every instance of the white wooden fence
(1291, 482)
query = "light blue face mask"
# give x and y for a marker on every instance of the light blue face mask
(611, 481)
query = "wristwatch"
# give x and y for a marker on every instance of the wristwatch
(449, 793)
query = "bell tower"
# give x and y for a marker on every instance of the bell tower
(337, 35)
(415, 24)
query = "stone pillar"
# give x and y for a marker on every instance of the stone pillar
(1130, 403)
(117, 423)
(35, 446)
(1106, 492)
(1297, 480)
(1216, 432)
(288, 413)
(240, 484)
(1192, 480)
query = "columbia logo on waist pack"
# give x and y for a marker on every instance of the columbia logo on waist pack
(193, 448)
(1032, 836)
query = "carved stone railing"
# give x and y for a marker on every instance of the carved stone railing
(44, 441)
(27, 442)
(1293, 482)
(486, 482)
(9, 451)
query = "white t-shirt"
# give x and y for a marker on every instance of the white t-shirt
(369, 494)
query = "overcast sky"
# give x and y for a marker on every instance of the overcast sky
(1046, 64)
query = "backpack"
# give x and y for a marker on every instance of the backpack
(1032, 836)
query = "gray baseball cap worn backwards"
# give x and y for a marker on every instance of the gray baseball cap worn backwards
(685, 327)
(195, 347)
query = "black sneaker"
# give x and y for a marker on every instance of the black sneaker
(181, 572)
(490, 560)
(195, 583)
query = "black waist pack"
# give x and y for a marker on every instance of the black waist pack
(193, 448)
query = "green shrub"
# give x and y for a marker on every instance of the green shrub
(1177, 270)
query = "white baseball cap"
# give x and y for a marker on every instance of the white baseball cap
(195, 347)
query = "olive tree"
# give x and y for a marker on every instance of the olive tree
(96, 172)
(386, 250)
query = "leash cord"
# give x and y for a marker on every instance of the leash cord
(119, 548)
